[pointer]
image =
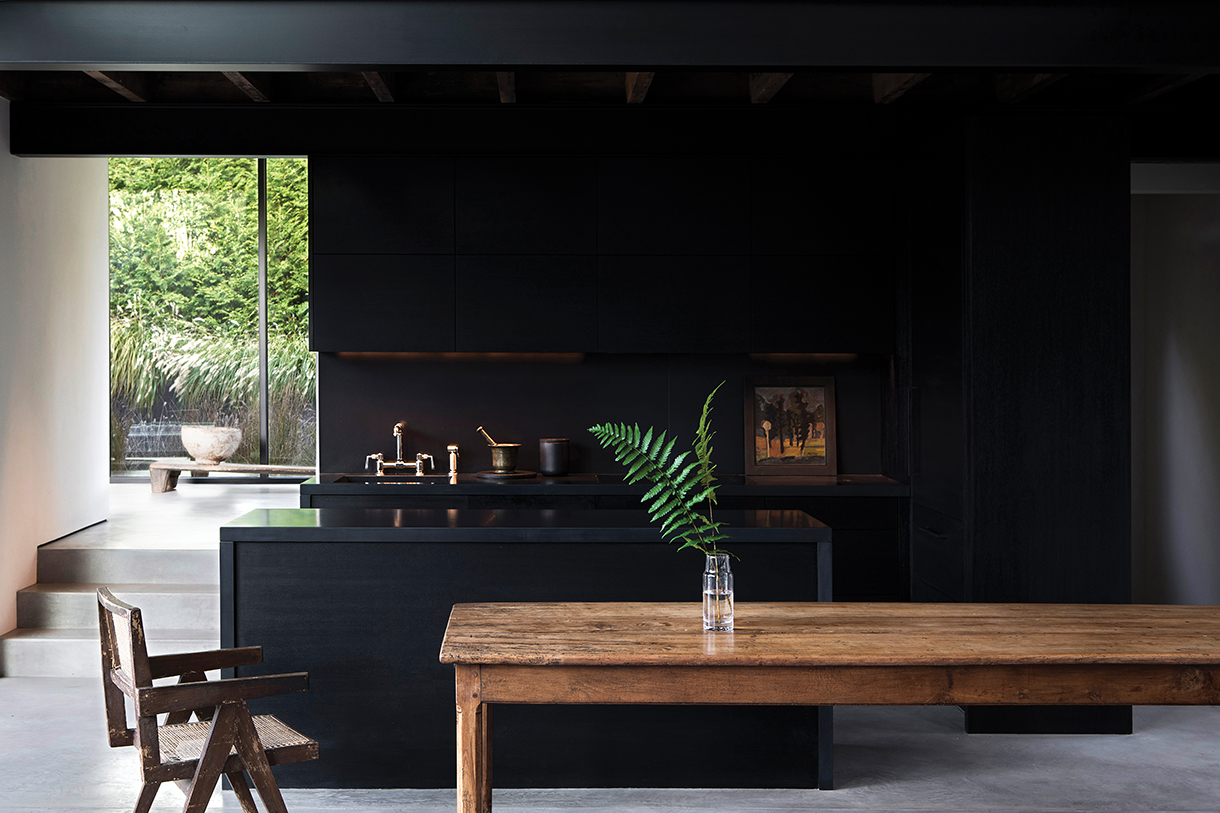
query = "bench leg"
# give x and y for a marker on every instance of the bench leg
(473, 737)
(163, 480)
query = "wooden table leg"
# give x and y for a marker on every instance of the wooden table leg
(826, 748)
(472, 735)
(485, 738)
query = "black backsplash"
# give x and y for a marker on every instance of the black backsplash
(444, 398)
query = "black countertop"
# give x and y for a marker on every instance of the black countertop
(843, 485)
(502, 525)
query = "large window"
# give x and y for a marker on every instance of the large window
(208, 308)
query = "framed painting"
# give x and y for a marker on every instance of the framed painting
(790, 426)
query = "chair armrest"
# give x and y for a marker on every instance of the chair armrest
(181, 663)
(190, 696)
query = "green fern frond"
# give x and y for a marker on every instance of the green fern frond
(679, 488)
(703, 444)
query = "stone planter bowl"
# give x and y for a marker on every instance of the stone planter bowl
(211, 444)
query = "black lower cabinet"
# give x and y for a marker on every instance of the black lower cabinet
(366, 621)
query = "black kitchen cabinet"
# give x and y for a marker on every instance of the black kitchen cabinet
(526, 204)
(381, 302)
(672, 304)
(822, 304)
(673, 204)
(380, 205)
(526, 304)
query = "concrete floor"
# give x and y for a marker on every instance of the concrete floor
(54, 757)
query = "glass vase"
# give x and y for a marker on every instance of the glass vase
(717, 593)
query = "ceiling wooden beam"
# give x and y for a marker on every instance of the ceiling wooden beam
(887, 87)
(1160, 86)
(257, 91)
(763, 86)
(637, 85)
(130, 86)
(506, 81)
(379, 83)
(1011, 88)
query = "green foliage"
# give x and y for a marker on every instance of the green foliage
(184, 299)
(678, 487)
(184, 235)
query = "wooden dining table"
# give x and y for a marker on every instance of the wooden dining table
(817, 653)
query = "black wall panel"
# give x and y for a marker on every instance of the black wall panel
(526, 303)
(380, 205)
(824, 304)
(369, 301)
(672, 304)
(1050, 363)
(673, 204)
(824, 204)
(1020, 483)
(522, 399)
(526, 205)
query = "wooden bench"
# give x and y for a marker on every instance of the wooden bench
(805, 654)
(163, 474)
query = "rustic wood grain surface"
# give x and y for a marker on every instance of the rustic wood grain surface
(812, 634)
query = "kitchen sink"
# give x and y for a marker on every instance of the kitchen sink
(395, 479)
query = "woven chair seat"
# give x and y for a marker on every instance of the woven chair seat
(183, 742)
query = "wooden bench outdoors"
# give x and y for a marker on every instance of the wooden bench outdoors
(807, 654)
(163, 474)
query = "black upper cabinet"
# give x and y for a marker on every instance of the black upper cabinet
(673, 205)
(821, 305)
(821, 205)
(526, 304)
(381, 303)
(672, 305)
(526, 205)
(381, 205)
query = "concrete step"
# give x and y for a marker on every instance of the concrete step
(71, 606)
(77, 652)
(59, 563)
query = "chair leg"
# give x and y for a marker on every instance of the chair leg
(212, 761)
(250, 749)
(147, 794)
(238, 780)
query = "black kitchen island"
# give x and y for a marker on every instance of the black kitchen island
(359, 598)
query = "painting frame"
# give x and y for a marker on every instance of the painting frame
(763, 396)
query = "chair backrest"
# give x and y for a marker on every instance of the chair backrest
(124, 661)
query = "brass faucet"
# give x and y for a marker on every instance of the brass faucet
(399, 463)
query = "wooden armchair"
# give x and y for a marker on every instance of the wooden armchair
(227, 738)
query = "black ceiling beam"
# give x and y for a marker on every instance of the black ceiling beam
(1176, 36)
(295, 130)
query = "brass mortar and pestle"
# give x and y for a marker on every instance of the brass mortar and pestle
(503, 455)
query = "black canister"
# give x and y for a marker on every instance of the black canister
(553, 456)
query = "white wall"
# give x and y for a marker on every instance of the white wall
(54, 356)
(1176, 395)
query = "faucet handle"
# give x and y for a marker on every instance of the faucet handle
(379, 457)
(420, 457)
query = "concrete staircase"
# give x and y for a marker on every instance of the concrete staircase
(57, 633)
